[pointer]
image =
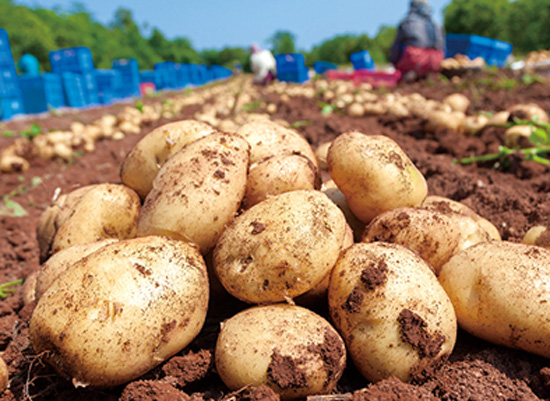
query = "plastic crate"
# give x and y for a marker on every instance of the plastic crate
(375, 78)
(166, 75)
(89, 86)
(219, 72)
(147, 87)
(73, 89)
(108, 79)
(183, 77)
(6, 59)
(148, 76)
(204, 76)
(290, 62)
(302, 75)
(4, 41)
(493, 51)
(362, 60)
(107, 97)
(194, 75)
(321, 67)
(72, 59)
(130, 76)
(9, 83)
(40, 93)
(10, 106)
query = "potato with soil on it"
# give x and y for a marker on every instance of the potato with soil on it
(88, 214)
(280, 248)
(144, 161)
(500, 292)
(446, 205)
(280, 174)
(197, 191)
(121, 311)
(291, 349)
(374, 174)
(393, 314)
(537, 235)
(268, 138)
(330, 189)
(4, 376)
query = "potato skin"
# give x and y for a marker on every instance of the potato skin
(100, 212)
(374, 174)
(435, 235)
(279, 174)
(197, 191)
(144, 161)
(391, 311)
(500, 292)
(253, 345)
(281, 247)
(122, 310)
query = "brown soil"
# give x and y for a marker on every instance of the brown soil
(514, 199)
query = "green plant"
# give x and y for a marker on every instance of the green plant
(4, 288)
(540, 139)
(12, 208)
(249, 107)
(301, 123)
(33, 131)
(139, 105)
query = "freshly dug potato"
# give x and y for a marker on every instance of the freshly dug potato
(439, 120)
(28, 290)
(529, 111)
(267, 138)
(61, 261)
(142, 164)
(87, 215)
(518, 136)
(321, 155)
(4, 376)
(446, 205)
(121, 311)
(500, 118)
(291, 349)
(281, 247)
(280, 174)
(330, 189)
(197, 191)
(537, 235)
(500, 292)
(473, 125)
(458, 102)
(374, 174)
(436, 235)
(391, 311)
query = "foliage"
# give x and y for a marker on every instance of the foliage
(283, 42)
(5, 288)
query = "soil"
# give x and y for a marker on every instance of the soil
(513, 198)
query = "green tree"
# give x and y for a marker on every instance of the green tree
(282, 42)
(528, 25)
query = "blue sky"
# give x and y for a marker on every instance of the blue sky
(214, 24)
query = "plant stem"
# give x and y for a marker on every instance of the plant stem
(4, 290)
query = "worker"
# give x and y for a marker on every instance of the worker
(28, 64)
(263, 65)
(419, 45)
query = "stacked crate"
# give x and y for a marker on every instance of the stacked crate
(77, 61)
(362, 60)
(41, 93)
(291, 67)
(219, 72)
(493, 51)
(109, 85)
(130, 79)
(10, 93)
(166, 75)
(183, 77)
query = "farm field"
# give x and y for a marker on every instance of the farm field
(514, 196)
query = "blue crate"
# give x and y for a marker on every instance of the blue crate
(493, 51)
(219, 72)
(107, 97)
(40, 93)
(89, 86)
(194, 75)
(72, 59)
(9, 83)
(10, 106)
(302, 75)
(290, 62)
(362, 60)
(166, 75)
(321, 67)
(204, 77)
(4, 41)
(6, 59)
(183, 77)
(148, 76)
(129, 70)
(108, 79)
(73, 88)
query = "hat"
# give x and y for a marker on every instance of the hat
(254, 48)
(415, 2)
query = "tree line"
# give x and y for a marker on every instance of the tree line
(38, 31)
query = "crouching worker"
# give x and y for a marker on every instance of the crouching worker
(419, 46)
(263, 65)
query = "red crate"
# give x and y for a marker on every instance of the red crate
(375, 78)
(147, 87)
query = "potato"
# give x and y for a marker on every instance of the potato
(518, 136)
(434, 234)
(443, 120)
(279, 174)
(28, 290)
(458, 102)
(537, 235)
(291, 349)
(61, 261)
(142, 164)
(529, 111)
(321, 155)
(281, 247)
(446, 205)
(473, 125)
(391, 311)
(374, 174)
(330, 189)
(4, 376)
(121, 311)
(500, 292)
(87, 215)
(500, 118)
(197, 191)
(267, 138)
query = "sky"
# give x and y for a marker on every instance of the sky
(215, 24)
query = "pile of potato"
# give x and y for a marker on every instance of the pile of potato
(128, 269)
(460, 61)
